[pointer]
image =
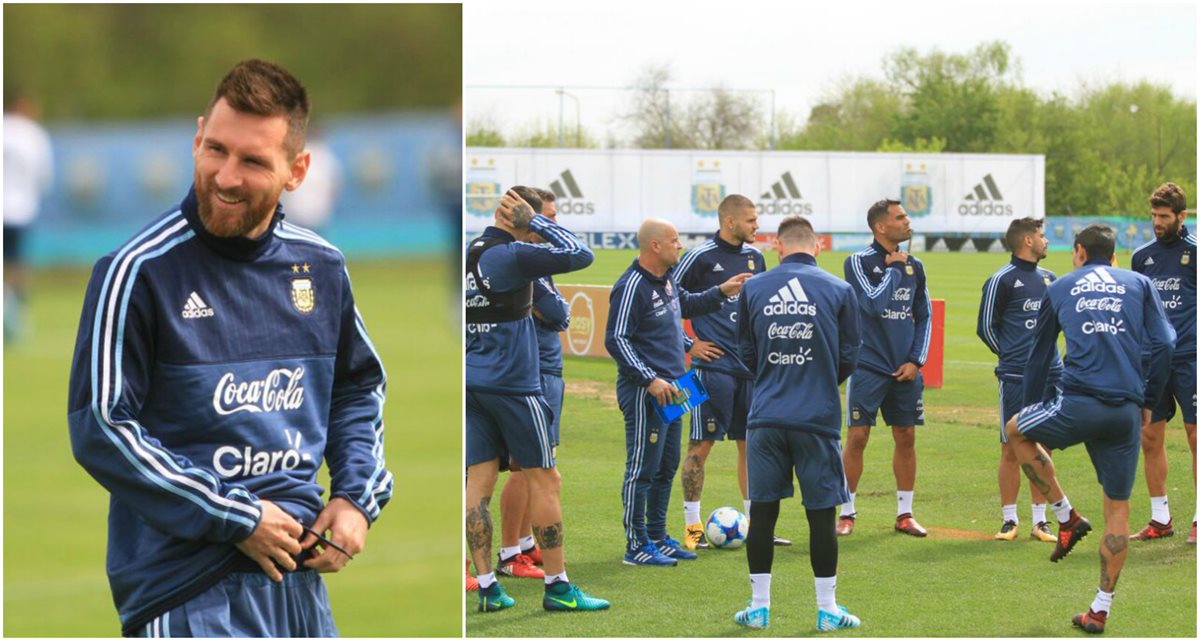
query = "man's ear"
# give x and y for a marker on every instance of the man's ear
(299, 170)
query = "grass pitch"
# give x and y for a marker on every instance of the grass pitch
(955, 583)
(406, 581)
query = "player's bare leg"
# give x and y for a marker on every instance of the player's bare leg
(1008, 474)
(515, 515)
(1190, 428)
(1154, 453)
(514, 507)
(692, 474)
(1039, 469)
(692, 477)
(546, 512)
(481, 482)
(852, 457)
(904, 467)
(852, 461)
(743, 483)
(1113, 548)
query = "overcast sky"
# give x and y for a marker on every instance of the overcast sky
(801, 50)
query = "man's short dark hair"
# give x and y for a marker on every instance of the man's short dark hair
(1099, 241)
(1019, 229)
(732, 204)
(546, 195)
(265, 89)
(796, 230)
(878, 211)
(529, 195)
(1169, 195)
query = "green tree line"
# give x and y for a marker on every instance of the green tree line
(144, 61)
(1107, 146)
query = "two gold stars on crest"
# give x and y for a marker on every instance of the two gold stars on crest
(296, 268)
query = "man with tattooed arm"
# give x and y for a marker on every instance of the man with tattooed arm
(507, 416)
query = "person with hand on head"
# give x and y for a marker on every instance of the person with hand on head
(895, 314)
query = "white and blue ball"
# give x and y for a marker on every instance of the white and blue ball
(726, 528)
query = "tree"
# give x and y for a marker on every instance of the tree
(709, 119)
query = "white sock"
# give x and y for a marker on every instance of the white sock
(1062, 509)
(1102, 602)
(508, 553)
(528, 543)
(760, 590)
(1039, 513)
(904, 502)
(1159, 510)
(691, 512)
(826, 593)
(486, 580)
(561, 576)
(746, 504)
(1010, 512)
(848, 508)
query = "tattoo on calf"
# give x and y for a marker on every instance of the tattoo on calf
(1034, 478)
(550, 536)
(1114, 545)
(693, 478)
(479, 527)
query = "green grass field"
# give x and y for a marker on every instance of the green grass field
(955, 583)
(406, 581)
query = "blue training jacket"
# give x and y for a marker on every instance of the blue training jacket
(1110, 316)
(895, 312)
(1172, 268)
(711, 263)
(798, 327)
(554, 316)
(210, 374)
(1008, 314)
(645, 315)
(502, 358)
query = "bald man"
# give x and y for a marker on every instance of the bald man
(645, 336)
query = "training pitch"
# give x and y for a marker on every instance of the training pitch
(958, 582)
(402, 584)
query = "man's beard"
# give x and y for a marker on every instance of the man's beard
(224, 225)
(1169, 234)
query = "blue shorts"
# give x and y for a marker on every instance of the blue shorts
(724, 414)
(552, 390)
(1181, 388)
(501, 426)
(1012, 401)
(249, 604)
(868, 392)
(1111, 433)
(773, 455)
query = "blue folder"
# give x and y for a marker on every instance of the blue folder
(690, 395)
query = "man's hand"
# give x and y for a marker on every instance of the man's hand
(907, 372)
(514, 210)
(346, 526)
(662, 391)
(732, 286)
(1145, 417)
(897, 256)
(275, 540)
(705, 350)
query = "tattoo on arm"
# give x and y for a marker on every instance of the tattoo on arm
(1035, 478)
(479, 527)
(550, 536)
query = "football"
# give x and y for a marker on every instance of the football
(726, 528)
